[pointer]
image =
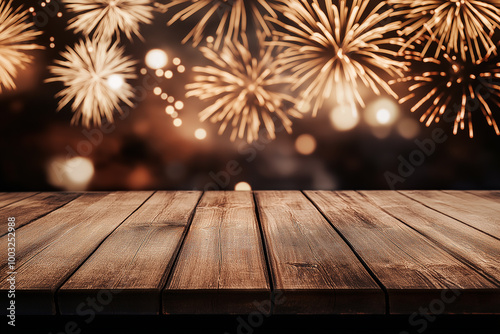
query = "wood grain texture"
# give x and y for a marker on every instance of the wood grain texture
(221, 267)
(9, 198)
(33, 207)
(483, 214)
(313, 268)
(415, 271)
(478, 250)
(51, 248)
(487, 194)
(132, 264)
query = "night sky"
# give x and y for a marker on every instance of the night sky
(143, 149)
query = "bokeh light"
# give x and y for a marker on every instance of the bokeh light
(344, 118)
(243, 186)
(200, 134)
(383, 112)
(177, 122)
(72, 174)
(116, 81)
(408, 128)
(305, 144)
(156, 59)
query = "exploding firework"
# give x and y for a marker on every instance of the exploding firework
(106, 18)
(94, 75)
(462, 26)
(16, 37)
(450, 89)
(231, 15)
(332, 49)
(245, 91)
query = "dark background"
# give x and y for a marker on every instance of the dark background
(146, 151)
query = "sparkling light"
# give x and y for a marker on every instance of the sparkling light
(86, 78)
(107, 18)
(231, 17)
(156, 59)
(465, 27)
(333, 49)
(245, 91)
(16, 37)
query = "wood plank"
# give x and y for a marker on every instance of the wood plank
(33, 207)
(487, 194)
(415, 272)
(132, 264)
(221, 268)
(9, 198)
(50, 249)
(480, 213)
(313, 268)
(480, 251)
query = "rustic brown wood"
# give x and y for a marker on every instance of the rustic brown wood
(312, 267)
(9, 198)
(33, 207)
(132, 264)
(415, 271)
(488, 194)
(478, 250)
(51, 248)
(483, 214)
(221, 267)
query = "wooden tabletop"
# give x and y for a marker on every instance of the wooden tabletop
(279, 252)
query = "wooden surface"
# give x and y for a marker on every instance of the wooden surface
(292, 252)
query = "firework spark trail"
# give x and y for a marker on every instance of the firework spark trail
(94, 74)
(107, 18)
(16, 37)
(245, 91)
(437, 84)
(332, 48)
(232, 16)
(462, 26)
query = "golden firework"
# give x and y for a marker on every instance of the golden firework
(107, 18)
(16, 37)
(244, 91)
(451, 89)
(231, 15)
(94, 74)
(462, 26)
(332, 49)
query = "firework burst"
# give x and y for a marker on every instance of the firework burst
(245, 91)
(332, 49)
(94, 75)
(106, 18)
(462, 26)
(16, 37)
(450, 89)
(231, 15)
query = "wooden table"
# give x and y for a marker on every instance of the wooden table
(279, 252)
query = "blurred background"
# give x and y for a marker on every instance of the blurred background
(161, 144)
